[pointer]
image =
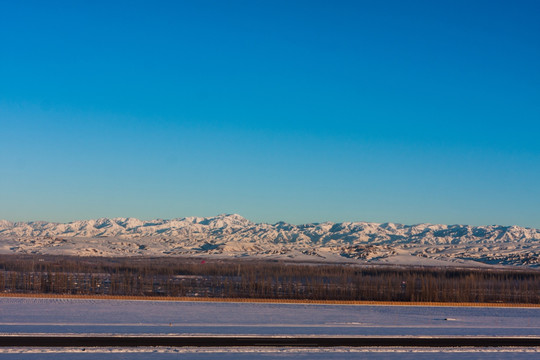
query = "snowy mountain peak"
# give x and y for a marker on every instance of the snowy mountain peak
(234, 235)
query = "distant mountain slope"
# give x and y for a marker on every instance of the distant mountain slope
(233, 235)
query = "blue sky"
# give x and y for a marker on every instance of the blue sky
(302, 111)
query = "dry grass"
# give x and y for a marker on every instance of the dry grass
(272, 301)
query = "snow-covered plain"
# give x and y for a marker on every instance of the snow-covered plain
(39, 315)
(273, 353)
(78, 316)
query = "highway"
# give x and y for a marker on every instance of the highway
(275, 341)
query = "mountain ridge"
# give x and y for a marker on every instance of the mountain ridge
(234, 235)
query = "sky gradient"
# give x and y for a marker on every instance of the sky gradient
(301, 111)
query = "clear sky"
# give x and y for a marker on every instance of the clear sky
(301, 111)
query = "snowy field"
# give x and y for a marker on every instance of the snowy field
(77, 316)
(265, 353)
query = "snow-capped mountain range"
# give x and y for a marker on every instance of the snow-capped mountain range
(235, 236)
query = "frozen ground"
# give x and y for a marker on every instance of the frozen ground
(33, 315)
(68, 316)
(266, 353)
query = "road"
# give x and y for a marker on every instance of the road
(276, 341)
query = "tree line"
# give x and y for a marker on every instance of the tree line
(196, 277)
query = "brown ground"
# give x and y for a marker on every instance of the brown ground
(281, 301)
